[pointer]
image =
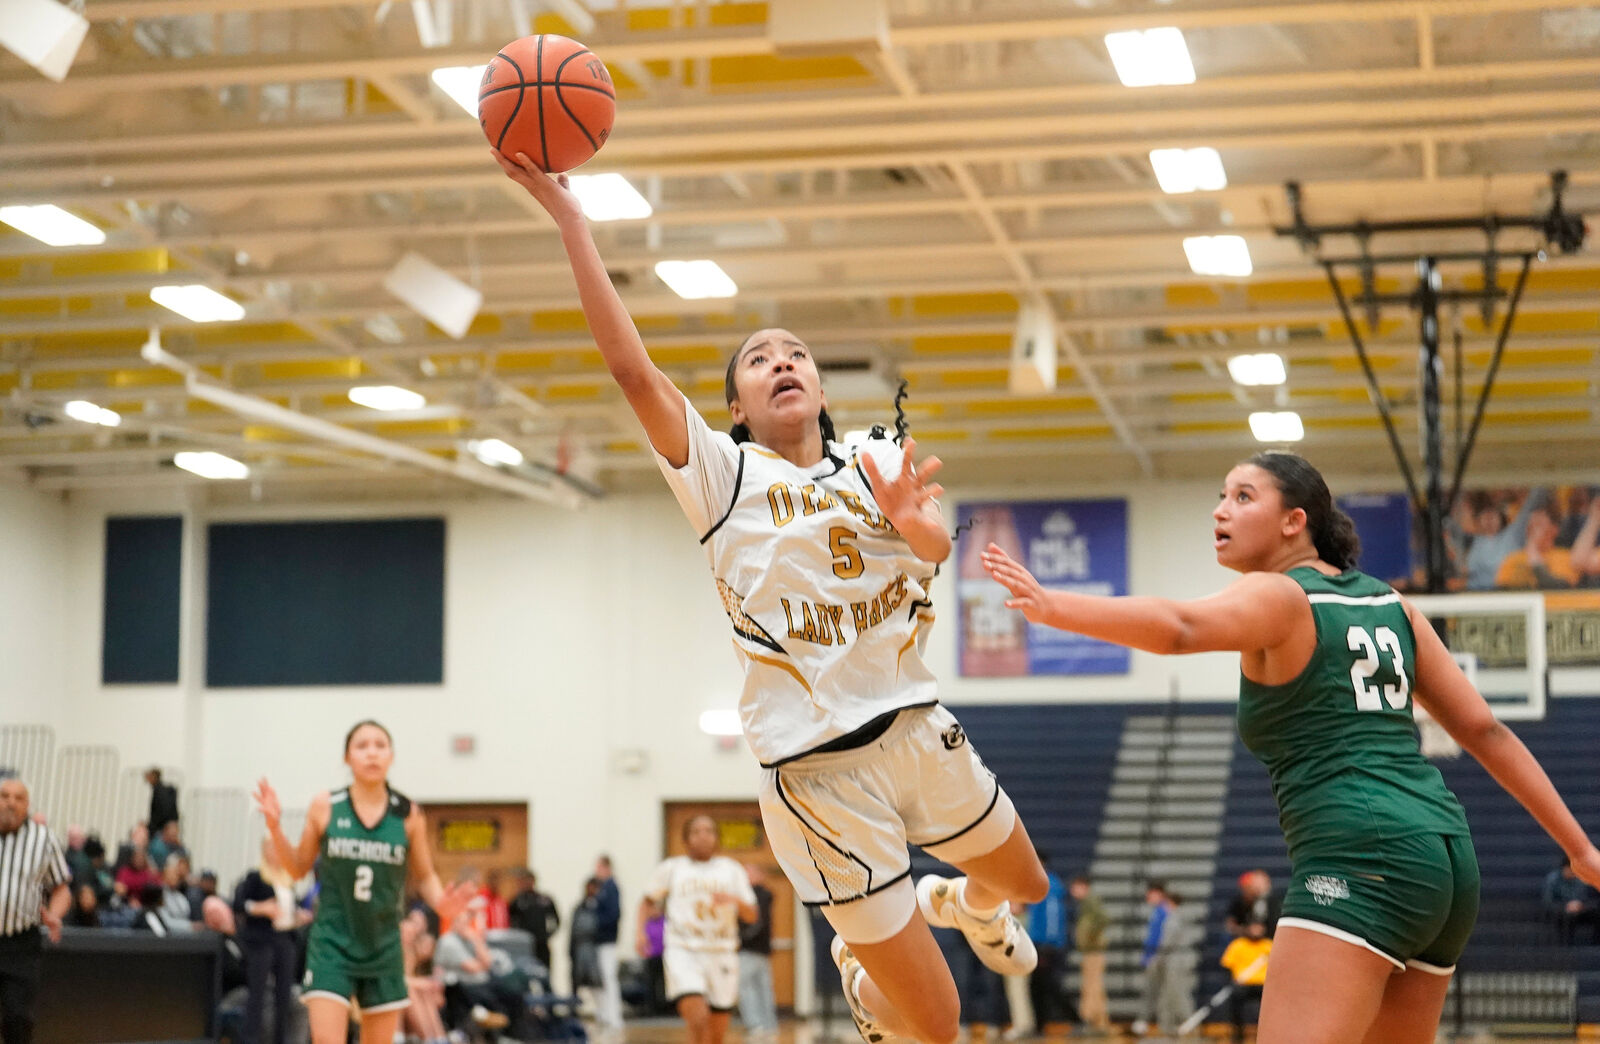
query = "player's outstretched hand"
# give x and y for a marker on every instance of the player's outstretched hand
(1587, 867)
(1026, 594)
(905, 496)
(551, 192)
(267, 802)
(455, 899)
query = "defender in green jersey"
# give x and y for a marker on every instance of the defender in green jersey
(366, 841)
(1331, 660)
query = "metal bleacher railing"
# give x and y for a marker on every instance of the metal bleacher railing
(88, 786)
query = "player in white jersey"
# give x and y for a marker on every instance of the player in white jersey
(823, 556)
(705, 896)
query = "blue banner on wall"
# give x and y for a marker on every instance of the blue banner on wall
(1069, 545)
(1383, 522)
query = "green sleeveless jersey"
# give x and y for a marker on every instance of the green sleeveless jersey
(1338, 741)
(361, 880)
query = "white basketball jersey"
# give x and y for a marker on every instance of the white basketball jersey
(829, 605)
(694, 922)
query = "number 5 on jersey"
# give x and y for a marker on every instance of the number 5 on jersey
(1369, 696)
(846, 559)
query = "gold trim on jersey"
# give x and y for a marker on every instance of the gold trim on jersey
(922, 618)
(770, 662)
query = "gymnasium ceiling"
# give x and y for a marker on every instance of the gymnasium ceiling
(891, 205)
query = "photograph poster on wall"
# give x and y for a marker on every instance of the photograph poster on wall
(1069, 545)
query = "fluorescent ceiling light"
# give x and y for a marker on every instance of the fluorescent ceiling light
(1284, 426)
(198, 303)
(386, 397)
(1255, 370)
(1150, 57)
(211, 465)
(495, 451)
(53, 226)
(89, 413)
(608, 197)
(1218, 255)
(721, 723)
(1188, 170)
(461, 83)
(696, 280)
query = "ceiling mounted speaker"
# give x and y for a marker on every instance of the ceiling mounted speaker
(42, 33)
(1033, 351)
(828, 26)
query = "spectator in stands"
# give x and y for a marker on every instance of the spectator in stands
(264, 908)
(1253, 902)
(163, 802)
(758, 1009)
(1539, 563)
(85, 912)
(1155, 898)
(1586, 546)
(99, 874)
(423, 1018)
(77, 858)
(135, 877)
(1246, 961)
(146, 904)
(1047, 927)
(496, 912)
(217, 916)
(463, 957)
(203, 889)
(583, 941)
(608, 915)
(1089, 936)
(165, 843)
(1571, 903)
(138, 838)
(176, 912)
(535, 913)
(1174, 967)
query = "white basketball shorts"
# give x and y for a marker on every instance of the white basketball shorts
(839, 822)
(714, 976)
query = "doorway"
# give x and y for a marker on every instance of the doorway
(483, 835)
(745, 841)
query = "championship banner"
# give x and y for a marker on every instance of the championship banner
(1068, 545)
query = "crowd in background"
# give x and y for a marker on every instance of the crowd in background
(1511, 539)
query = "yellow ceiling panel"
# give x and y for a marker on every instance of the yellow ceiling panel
(962, 304)
(8, 381)
(1575, 417)
(1347, 423)
(1031, 404)
(200, 406)
(1539, 389)
(307, 369)
(267, 433)
(949, 344)
(745, 70)
(656, 322)
(442, 426)
(978, 378)
(682, 355)
(142, 378)
(527, 360)
(151, 261)
(648, 19)
(1204, 427)
(1541, 322)
(1187, 295)
(574, 392)
(567, 320)
(222, 335)
(625, 446)
(1061, 432)
(1220, 396)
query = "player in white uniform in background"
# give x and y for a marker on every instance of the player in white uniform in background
(705, 897)
(823, 556)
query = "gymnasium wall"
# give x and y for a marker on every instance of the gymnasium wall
(33, 549)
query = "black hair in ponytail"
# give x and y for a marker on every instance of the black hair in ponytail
(1302, 486)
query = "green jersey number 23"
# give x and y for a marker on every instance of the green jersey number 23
(1371, 696)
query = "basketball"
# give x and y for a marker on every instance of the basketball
(548, 97)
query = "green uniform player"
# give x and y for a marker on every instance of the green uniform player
(367, 841)
(1381, 851)
(354, 948)
(1385, 880)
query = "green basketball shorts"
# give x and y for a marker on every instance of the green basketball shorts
(376, 988)
(1412, 900)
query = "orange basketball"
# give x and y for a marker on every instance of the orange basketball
(549, 97)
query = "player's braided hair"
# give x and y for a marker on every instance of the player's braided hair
(1302, 486)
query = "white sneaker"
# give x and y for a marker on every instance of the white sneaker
(1139, 1028)
(1001, 942)
(849, 973)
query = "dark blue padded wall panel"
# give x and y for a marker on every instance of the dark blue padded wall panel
(142, 600)
(325, 603)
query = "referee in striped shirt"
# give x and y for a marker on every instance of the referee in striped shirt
(31, 867)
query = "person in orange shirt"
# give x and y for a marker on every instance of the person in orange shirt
(1539, 564)
(1246, 959)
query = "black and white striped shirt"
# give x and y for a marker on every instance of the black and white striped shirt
(31, 865)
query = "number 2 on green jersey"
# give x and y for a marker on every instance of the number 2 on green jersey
(363, 885)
